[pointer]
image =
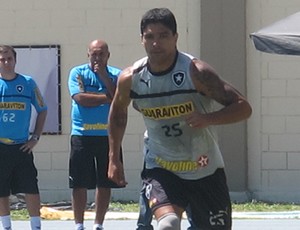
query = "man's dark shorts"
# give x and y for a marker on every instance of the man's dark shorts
(88, 162)
(208, 198)
(18, 173)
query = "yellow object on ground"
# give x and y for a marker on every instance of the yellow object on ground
(54, 214)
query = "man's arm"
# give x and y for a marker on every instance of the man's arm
(92, 99)
(38, 129)
(207, 82)
(110, 86)
(89, 99)
(103, 75)
(40, 121)
(117, 122)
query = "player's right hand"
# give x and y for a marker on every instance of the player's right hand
(116, 173)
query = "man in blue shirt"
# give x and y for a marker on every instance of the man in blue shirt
(92, 87)
(18, 173)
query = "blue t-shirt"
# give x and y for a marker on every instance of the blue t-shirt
(17, 96)
(89, 121)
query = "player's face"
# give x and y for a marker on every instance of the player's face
(7, 62)
(159, 42)
(98, 56)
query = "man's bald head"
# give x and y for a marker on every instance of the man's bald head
(98, 44)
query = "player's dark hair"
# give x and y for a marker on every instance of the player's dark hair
(159, 15)
(6, 48)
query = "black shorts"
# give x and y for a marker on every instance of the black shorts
(18, 173)
(88, 162)
(208, 198)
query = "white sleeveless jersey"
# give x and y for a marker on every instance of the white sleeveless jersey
(164, 100)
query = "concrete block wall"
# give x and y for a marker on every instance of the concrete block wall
(274, 129)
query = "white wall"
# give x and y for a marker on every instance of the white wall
(274, 128)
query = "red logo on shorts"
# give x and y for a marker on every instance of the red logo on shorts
(203, 161)
(152, 202)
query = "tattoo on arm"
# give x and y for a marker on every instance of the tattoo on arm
(212, 86)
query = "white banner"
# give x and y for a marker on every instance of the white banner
(42, 63)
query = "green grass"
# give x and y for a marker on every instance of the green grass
(253, 206)
(124, 206)
(19, 214)
(237, 207)
(265, 207)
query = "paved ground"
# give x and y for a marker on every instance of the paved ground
(245, 224)
(127, 221)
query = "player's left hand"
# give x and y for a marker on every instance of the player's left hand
(28, 146)
(197, 120)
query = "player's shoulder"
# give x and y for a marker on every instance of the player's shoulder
(195, 64)
(25, 78)
(201, 66)
(140, 63)
(136, 67)
(127, 72)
